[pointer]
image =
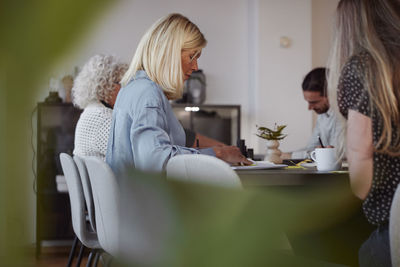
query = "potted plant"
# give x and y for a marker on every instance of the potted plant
(272, 136)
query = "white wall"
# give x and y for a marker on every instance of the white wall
(322, 34)
(322, 30)
(281, 70)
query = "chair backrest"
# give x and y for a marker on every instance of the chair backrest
(202, 169)
(105, 196)
(394, 228)
(87, 190)
(77, 201)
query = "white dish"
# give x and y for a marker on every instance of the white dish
(314, 164)
(260, 165)
(309, 164)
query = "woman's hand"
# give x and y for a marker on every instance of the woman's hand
(231, 154)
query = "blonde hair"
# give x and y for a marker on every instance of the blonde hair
(159, 53)
(371, 26)
(95, 82)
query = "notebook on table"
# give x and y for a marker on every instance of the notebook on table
(260, 165)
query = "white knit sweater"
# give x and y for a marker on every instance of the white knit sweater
(92, 131)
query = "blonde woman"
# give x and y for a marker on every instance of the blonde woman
(95, 90)
(144, 131)
(365, 67)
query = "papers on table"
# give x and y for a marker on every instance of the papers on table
(260, 165)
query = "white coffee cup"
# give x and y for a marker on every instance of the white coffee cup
(326, 159)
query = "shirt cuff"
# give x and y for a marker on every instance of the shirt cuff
(300, 154)
(190, 137)
(207, 151)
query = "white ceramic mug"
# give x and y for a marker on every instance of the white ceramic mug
(326, 159)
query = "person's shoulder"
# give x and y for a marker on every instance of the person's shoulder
(355, 65)
(143, 92)
(353, 74)
(97, 109)
(95, 114)
(352, 90)
(147, 88)
(143, 84)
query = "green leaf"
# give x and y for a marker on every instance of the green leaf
(269, 134)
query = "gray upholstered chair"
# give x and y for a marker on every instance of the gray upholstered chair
(82, 229)
(105, 197)
(209, 170)
(202, 169)
(87, 190)
(394, 229)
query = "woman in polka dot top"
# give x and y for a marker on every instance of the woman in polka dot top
(365, 69)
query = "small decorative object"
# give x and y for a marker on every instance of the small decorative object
(272, 136)
(68, 83)
(194, 91)
(53, 97)
(285, 42)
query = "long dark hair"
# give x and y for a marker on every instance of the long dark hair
(372, 26)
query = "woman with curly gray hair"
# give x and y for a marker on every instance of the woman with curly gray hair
(95, 90)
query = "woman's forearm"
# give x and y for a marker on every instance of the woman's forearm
(205, 141)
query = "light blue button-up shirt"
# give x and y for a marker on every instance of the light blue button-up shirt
(328, 128)
(144, 132)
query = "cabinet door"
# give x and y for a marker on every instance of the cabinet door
(56, 130)
(220, 122)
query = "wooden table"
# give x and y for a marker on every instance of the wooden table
(302, 184)
(291, 177)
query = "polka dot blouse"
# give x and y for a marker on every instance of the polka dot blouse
(353, 95)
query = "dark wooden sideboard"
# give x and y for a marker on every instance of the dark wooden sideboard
(55, 134)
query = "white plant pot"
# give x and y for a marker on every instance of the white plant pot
(273, 153)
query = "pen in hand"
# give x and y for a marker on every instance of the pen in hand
(320, 141)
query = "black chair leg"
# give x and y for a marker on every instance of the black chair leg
(90, 259)
(96, 259)
(72, 252)
(78, 263)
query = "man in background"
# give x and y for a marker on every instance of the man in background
(327, 127)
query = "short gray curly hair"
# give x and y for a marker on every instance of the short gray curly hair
(95, 82)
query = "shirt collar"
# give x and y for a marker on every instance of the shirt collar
(329, 113)
(106, 104)
(97, 104)
(94, 104)
(141, 74)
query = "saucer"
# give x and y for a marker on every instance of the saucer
(309, 164)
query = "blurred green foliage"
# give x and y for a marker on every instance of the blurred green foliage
(34, 36)
(216, 226)
(219, 227)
